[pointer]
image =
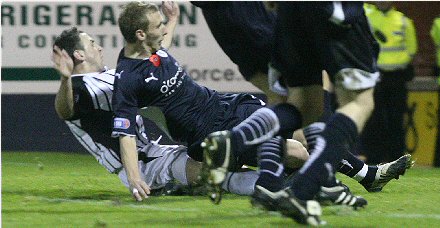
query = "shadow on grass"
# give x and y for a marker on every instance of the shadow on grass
(84, 194)
(116, 197)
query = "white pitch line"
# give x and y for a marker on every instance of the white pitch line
(20, 163)
(164, 208)
(408, 216)
(62, 200)
(424, 216)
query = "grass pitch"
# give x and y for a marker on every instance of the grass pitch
(73, 190)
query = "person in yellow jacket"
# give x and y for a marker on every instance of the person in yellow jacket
(435, 35)
(383, 138)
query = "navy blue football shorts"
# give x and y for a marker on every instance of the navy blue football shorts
(244, 30)
(306, 42)
(236, 108)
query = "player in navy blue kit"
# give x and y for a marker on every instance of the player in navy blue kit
(147, 75)
(335, 37)
(84, 102)
(244, 31)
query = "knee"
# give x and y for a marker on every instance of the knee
(295, 154)
(298, 135)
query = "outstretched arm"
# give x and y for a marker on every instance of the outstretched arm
(171, 11)
(129, 157)
(64, 98)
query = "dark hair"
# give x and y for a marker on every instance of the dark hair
(70, 41)
(134, 17)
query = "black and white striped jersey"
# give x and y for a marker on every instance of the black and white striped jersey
(92, 122)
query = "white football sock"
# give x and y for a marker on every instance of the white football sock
(241, 183)
(361, 174)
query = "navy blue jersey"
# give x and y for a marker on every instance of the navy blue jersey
(190, 109)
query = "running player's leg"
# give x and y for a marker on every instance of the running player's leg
(291, 61)
(355, 99)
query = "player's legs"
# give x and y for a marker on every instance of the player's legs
(250, 124)
(165, 164)
(368, 176)
(333, 48)
(294, 63)
(341, 130)
(309, 100)
(329, 106)
(372, 177)
(273, 155)
(350, 165)
(228, 150)
(193, 170)
(241, 183)
(356, 105)
(175, 164)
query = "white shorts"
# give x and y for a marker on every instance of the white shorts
(169, 163)
(356, 79)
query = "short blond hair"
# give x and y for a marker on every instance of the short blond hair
(134, 17)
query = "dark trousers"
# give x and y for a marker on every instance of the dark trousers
(383, 138)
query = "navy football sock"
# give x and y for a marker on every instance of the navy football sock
(370, 176)
(259, 127)
(270, 166)
(264, 124)
(290, 119)
(330, 106)
(352, 166)
(339, 134)
(311, 133)
(357, 169)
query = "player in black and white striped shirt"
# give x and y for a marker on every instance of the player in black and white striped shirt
(84, 101)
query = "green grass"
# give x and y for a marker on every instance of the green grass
(73, 190)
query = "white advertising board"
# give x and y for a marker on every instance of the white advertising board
(29, 28)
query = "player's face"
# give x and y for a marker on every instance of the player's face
(156, 30)
(92, 52)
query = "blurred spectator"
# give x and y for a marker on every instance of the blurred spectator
(383, 138)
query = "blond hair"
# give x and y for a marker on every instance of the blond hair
(134, 17)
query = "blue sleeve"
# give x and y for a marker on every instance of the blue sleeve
(125, 106)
